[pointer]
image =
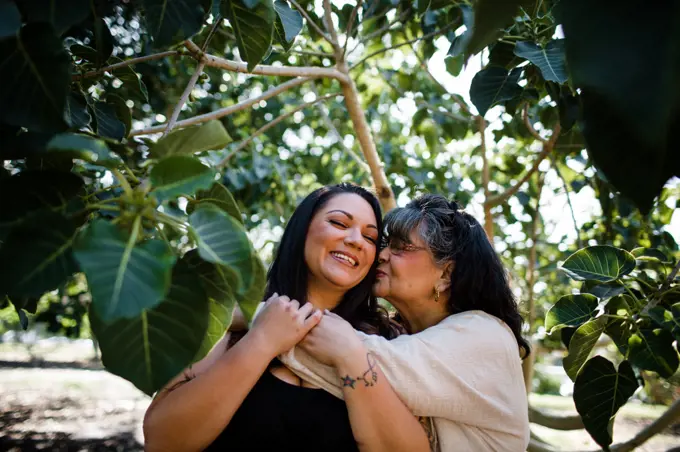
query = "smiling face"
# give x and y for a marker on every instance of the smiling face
(407, 272)
(341, 243)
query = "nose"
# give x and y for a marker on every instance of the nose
(384, 255)
(354, 238)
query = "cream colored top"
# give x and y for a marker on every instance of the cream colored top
(464, 372)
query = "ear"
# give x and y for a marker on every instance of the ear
(444, 281)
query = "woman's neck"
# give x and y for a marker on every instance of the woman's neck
(324, 299)
(420, 316)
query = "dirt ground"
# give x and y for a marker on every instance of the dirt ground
(56, 397)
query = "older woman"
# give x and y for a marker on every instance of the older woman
(461, 364)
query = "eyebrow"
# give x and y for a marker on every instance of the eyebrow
(351, 217)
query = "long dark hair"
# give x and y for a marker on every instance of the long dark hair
(288, 274)
(478, 280)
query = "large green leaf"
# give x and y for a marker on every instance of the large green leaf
(652, 349)
(124, 277)
(204, 137)
(107, 122)
(36, 256)
(29, 191)
(288, 23)
(180, 175)
(249, 299)
(602, 291)
(62, 14)
(102, 40)
(549, 59)
(570, 310)
(84, 147)
(601, 263)
(220, 196)
(254, 28)
(636, 152)
(172, 21)
(35, 76)
(650, 254)
(153, 347)
(581, 344)
(76, 111)
(599, 391)
(10, 19)
(493, 85)
(490, 17)
(222, 240)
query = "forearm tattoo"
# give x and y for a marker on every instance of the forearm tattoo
(370, 377)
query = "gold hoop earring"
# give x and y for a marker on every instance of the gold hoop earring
(436, 294)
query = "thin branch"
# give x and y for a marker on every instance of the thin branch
(122, 64)
(271, 124)
(382, 30)
(328, 19)
(225, 111)
(350, 25)
(310, 21)
(401, 44)
(185, 95)
(261, 69)
(547, 149)
(571, 206)
(213, 29)
(312, 53)
(530, 127)
(338, 136)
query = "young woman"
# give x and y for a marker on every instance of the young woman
(240, 398)
(461, 364)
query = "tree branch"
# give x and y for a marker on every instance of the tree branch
(311, 22)
(334, 130)
(122, 64)
(350, 25)
(269, 125)
(261, 69)
(547, 148)
(382, 30)
(530, 127)
(328, 19)
(228, 110)
(185, 95)
(401, 44)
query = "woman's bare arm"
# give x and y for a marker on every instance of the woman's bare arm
(380, 420)
(190, 416)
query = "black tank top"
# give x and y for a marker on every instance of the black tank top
(277, 416)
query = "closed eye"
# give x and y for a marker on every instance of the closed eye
(337, 223)
(371, 239)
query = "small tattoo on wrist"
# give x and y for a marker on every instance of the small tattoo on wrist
(370, 377)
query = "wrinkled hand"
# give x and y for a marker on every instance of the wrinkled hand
(332, 341)
(282, 323)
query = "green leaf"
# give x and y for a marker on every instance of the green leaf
(652, 349)
(84, 147)
(570, 310)
(10, 19)
(155, 346)
(550, 60)
(123, 112)
(76, 111)
(35, 190)
(221, 197)
(491, 16)
(254, 28)
(222, 240)
(108, 124)
(124, 277)
(191, 140)
(180, 175)
(131, 80)
(599, 391)
(621, 305)
(288, 24)
(454, 65)
(249, 299)
(460, 42)
(35, 74)
(649, 254)
(62, 14)
(172, 21)
(670, 320)
(493, 85)
(602, 291)
(581, 344)
(622, 142)
(102, 41)
(601, 263)
(36, 257)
